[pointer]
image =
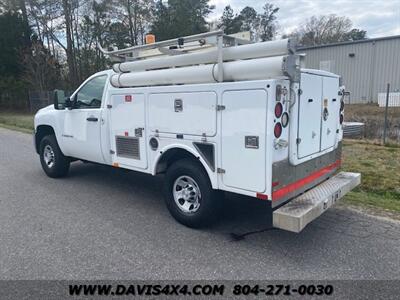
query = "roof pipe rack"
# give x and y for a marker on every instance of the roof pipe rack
(229, 60)
(202, 38)
(249, 51)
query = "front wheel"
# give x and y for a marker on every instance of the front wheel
(53, 161)
(189, 196)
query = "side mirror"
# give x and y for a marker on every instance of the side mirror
(59, 100)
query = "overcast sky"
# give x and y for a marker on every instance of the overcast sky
(378, 18)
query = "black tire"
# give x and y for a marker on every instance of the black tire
(60, 164)
(209, 202)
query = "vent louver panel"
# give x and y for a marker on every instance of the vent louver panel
(127, 147)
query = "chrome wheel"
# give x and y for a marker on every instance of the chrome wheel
(187, 194)
(48, 156)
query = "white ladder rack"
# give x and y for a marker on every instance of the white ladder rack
(177, 47)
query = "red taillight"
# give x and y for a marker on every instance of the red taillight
(278, 110)
(341, 119)
(278, 130)
(262, 196)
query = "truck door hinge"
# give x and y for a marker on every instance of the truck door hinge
(109, 106)
(220, 107)
(112, 152)
(298, 141)
(220, 171)
(300, 91)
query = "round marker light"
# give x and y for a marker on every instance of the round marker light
(278, 130)
(153, 144)
(285, 119)
(278, 110)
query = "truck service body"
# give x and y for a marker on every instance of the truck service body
(276, 138)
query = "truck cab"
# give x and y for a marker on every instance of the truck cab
(77, 128)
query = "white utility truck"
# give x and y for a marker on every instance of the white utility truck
(214, 113)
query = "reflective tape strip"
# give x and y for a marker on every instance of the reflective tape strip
(276, 195)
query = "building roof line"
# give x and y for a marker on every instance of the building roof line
(351, 42)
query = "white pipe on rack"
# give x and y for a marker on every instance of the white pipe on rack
(250, 51)
(261, 68)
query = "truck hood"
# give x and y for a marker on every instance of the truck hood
(45, 109)
(43, 114)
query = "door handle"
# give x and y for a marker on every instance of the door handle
(92, 119)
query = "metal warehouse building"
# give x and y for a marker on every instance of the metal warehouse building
(366, 66)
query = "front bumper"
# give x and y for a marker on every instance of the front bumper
(300, 211)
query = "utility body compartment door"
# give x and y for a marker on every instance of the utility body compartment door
(190, 113)
(127, 130)
(243, 139)
(310, 110)
(330, 112)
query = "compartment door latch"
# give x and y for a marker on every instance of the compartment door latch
(220, 171)
(178, 105)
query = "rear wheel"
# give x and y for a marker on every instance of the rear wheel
(53, 161)
(189, 195)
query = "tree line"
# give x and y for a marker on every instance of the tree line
(47, 44)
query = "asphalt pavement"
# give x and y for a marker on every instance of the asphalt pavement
(106, 223)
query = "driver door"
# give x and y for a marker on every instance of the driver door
(82, 123)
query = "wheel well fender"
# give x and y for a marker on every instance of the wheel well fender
(41, 132)
(174, 153)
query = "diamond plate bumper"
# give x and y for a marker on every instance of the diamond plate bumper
(296, 214)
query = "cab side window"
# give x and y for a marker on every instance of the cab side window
(91, 94)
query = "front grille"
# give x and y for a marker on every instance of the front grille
(127, 147)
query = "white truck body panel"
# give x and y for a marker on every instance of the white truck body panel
(307, 117)
(246, 99)
(196, 116)
(330, 125)
(85, 141)
(128, 114)
(310, 109)
(245, 116)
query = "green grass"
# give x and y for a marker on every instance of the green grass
(373, 117)
(17, 121)
(380, 170)
(372, 200)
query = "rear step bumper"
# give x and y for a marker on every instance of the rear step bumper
(296, 214)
